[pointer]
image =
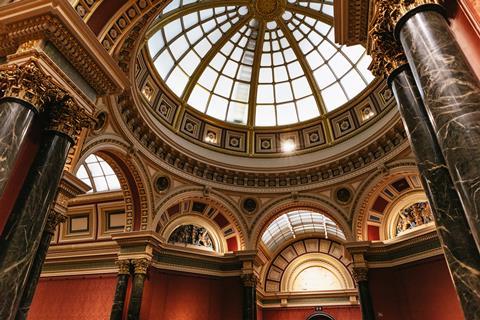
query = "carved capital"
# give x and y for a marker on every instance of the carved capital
(360, 274)
(123, 266)
(53, 220)
(402, 7)
(387, 54)
(65, 115)
(249, 280)
(26, 82)
(141, 265)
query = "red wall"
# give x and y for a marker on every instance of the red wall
(466, 28)
(76, 298)
(180, 296)
(418, 291)
(339, 313)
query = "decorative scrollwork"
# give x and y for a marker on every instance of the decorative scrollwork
(123, 266)
(26, 82)
(141, 265)
(249, 280)
(360, 274)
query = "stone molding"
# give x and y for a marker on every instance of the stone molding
(57, 22)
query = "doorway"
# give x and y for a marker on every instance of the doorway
(320, 316)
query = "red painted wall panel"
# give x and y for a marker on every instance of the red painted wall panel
(373, 233)
(418, 291)
(338, 312)
(466, 28)
(76, 298)
(27, 153)
(180, 296)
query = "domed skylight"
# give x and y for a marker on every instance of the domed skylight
(261, 63)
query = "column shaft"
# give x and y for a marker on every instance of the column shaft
(119, 299)
(16, 118)
(24, 228)
(136, 296)
(53, 220)
(451, 94)
(365, 301)
(249, 303)
(460, 251)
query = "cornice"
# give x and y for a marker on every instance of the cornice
(57, 22)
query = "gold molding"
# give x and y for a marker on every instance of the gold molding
(57, 22)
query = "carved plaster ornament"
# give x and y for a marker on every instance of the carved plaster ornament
(249, 280)
(53, 220)
(141, 265)
(360, 274)
(25, 82)
(123, 266)
(65, 115)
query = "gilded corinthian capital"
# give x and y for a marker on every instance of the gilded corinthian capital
(141, 265)
(387, 54)
(65, 115)
(26, 82)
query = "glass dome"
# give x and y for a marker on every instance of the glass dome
(257, 63)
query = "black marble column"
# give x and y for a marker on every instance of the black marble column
(140, 274)
(22, 91)
(361, 277)
(16, 117)
(249, 297)
(455, 236)
(451, 94)
(120, 290)
(54, 218)
(23, 231)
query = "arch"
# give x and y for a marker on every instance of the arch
(285, 264)
(216, 200)
(320, 316)
(285, 204)
(373, 184)
(131, 173)
(219, 242)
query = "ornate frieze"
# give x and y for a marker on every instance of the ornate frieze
(53, 23)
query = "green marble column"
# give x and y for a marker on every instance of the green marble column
(249, 296)
(121, 289)
(139, 276)
(361, 277)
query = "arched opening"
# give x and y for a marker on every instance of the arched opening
(320, 316)
(98, 174)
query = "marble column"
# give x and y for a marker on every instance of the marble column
(360, 274)
(121, 289)
(461, 252)
(53, 220)
(139, 276)
(249, 296)
(451, 93)
(21, 92)
(25, 225)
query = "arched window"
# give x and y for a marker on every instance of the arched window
(98, 174)
(290, 225)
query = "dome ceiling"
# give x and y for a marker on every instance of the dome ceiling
(256, 63)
